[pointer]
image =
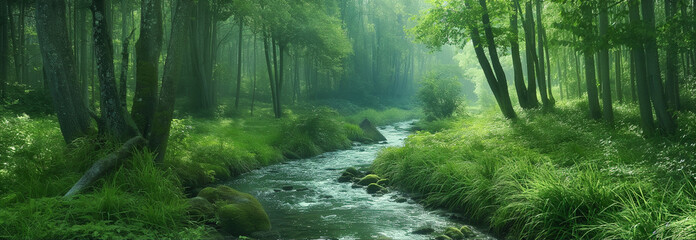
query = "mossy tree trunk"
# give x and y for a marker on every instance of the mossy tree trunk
(147, 50)
(530, 52)
(607, 109)
(520, 87)
(639, 66)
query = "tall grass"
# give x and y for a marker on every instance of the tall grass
(553, 175)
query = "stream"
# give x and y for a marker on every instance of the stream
(304, 200)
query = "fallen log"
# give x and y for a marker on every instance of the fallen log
(105, 164)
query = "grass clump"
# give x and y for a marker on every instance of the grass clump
(553, 175)
(313, 133)
(388, 116)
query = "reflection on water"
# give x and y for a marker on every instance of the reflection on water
(304, 200)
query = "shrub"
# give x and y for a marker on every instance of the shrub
(440, 96)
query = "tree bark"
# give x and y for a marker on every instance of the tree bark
(639, 63)
(666, 121)
(516, 62)
(172, 73)
(116, 120)
(541, 71)
(632, 64)
(58, 62)
(607, 109)
(147, 48)
(531, 56)
(4, 57)
(618, 70)
(239, 64)
(105, 164)
(672, 55)
(590, 78)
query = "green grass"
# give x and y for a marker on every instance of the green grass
(141, 199)
(388, 116)
(554, 175)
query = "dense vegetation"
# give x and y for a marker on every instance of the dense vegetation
(538, 119)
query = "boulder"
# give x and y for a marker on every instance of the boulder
(371, 131)
(353, 172)
(383, 182)
(370, 178)
(201, 209)
(466, 230)
(375, 188)
(345, 178)
(454, 233)
(238, 213)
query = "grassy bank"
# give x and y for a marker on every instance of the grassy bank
(141, 199)
(554, 175)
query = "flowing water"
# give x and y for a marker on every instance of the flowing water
(304, 200)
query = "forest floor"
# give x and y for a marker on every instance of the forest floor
(142, 199)
(554, 174)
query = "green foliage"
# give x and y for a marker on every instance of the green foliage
(313, 133)
(388, 116)
(552, 175)
(440, 96)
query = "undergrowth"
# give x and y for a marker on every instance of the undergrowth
(554, 174)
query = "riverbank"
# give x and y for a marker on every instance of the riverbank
(141, 199)
(553, 175)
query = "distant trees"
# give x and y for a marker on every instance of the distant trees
(440, 95)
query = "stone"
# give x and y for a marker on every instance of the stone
(383, 182)
(345, 178)
(454, 233)
(353, 171)
(466, 230)
(401, 200)
(238, 213)
(374, 188)
(287, 188)
(201, 209)
(371, 131)
(424, 231)
(370, 178)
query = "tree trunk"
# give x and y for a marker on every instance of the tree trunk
(123, 88)
(672, 55)
(541, 71)
(632, 64)
(577, 73)
(639, 66)
(115, 118)
(239, 64)
(147, 50)
(617, 70)
(607, 109)
(58, 60)
(270, 66)
(253, 90)
(172, 73)
(590, 77)
(4, 57)
(516, 62)
(666, 121)
(531, 56)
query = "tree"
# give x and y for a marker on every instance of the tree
(147, 50)
(449, 23)
(4, 44)
(541, 78)
(58, 61)
(516, 62)
(607, 111)
(532, 59)
(639, 66)
(589, 37)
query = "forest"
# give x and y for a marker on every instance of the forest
(348, 119)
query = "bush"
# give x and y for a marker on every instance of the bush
(440, 96)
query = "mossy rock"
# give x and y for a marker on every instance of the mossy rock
(345, 178)
(371, 131)
(353, 171)
(466, 230)
(201, 209)
(383, 182)
(239, 213)
(374, 188)
(424, 231)
(219, 172)
(454, 233)
(370, 178)
(443, 237)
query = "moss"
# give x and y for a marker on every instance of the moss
(345, 178)
(375, 188)
(370, 178)
(353, 171)
(454, 233)
(239, 213)
(383, 182)
(201, 209)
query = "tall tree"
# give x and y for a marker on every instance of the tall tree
(529, 33)
(588, 37)
(665, 120)
(58, 63)
(147, 55)
(4, 44)
(672, 57)
(639, 66)
(520, 87)
(541, 70)
(115, 119)
(617, 79)
(240, 19)
(607, 110)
